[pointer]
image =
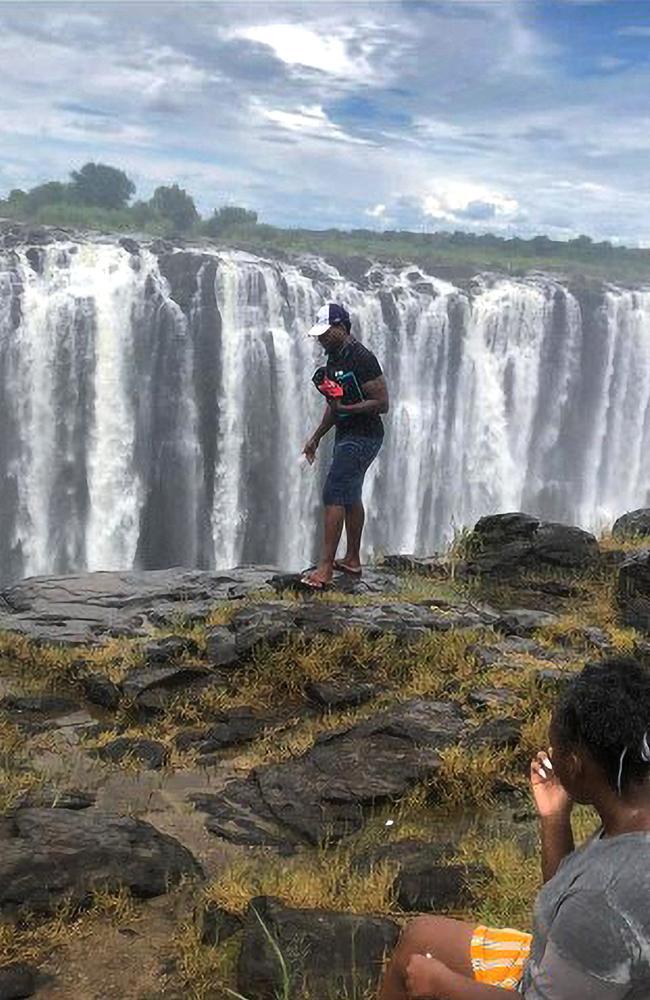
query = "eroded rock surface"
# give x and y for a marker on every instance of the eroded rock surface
(321, 796)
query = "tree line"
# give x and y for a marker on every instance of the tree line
(99, 194)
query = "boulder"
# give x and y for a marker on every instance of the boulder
(39, 704)
(332, 695)
(326, 954)
(431, 888)
(168, 649)
(17, 981)
(321, 796)
(502, 734)
(100, 690)
(168, 678)
(524, 621)
(150, 753)
(492, 697)
(633, 590)
(215, 924)
(404, 853)
(634, 524)
(509, 543)
(552, 678)
(236, 726)
(48, 855)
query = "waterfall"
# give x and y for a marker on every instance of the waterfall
(154, 405)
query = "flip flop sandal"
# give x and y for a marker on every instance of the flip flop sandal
(344, 568)
(314, 585)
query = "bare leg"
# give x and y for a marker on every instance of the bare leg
(355, 517)
(334, 518)
(445, 939)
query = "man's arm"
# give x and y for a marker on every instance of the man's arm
(376, 401)
(326, 424)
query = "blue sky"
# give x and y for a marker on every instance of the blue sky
(508, 116)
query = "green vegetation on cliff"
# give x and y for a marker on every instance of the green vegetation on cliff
(99, 196)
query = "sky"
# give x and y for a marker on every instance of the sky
(516, 117)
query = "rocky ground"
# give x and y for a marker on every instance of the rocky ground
(215, 782)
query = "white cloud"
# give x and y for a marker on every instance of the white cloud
(309, 121)
(451, 200)
(310, 48)
(377, 212)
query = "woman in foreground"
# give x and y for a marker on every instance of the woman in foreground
(591, 938)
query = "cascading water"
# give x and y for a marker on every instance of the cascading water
(154, 407)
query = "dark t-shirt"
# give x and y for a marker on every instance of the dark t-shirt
(354, 365)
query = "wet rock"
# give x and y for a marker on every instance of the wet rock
(327, 954)
(48, 855)
(84, 608)
(502, 734)
(492, 697)
(215, 924)
(404, 853)
(422, 887)
(131, 246)
(633, 590)
(171, 647)
(634, 524)
(241, 815)
(321, 796)
(162, 678)
(336, 696)
(150, 753)
(17, 981)
(508, 543)
(373, 581)
(239, 725)
(39, 704)
(524, 621)
(100, 690)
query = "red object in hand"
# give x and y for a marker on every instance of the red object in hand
(330, 389)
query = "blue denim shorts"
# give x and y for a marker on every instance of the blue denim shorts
(353, 456)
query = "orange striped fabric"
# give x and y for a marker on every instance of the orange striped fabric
(499, 956)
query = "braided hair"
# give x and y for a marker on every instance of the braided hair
(606, 709)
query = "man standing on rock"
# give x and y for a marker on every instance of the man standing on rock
(356, 415)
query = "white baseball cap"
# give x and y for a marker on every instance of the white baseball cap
(328, 315)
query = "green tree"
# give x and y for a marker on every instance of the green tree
(142, 212)
(101, 185)
(50, 193)
(228, 217)
(175, 204)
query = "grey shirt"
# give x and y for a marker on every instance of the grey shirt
(591, 938)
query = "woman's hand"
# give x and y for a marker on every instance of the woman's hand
(550, 797)
(424, 977)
